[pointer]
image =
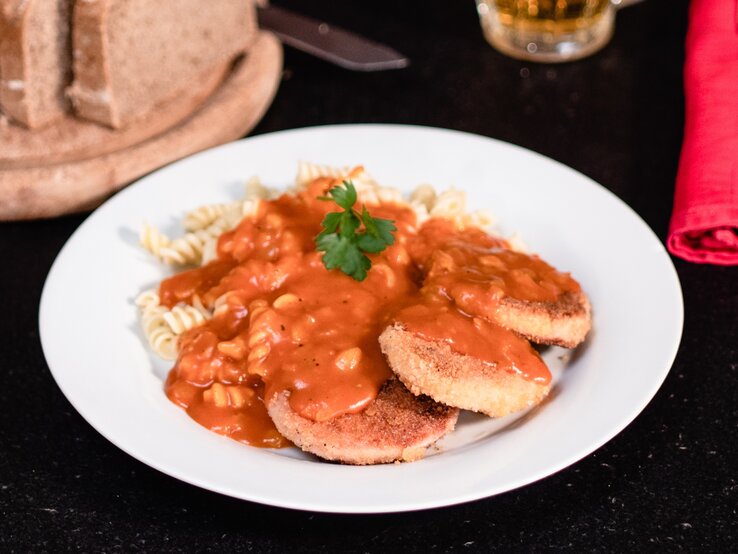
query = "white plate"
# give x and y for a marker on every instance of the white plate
(91, 338)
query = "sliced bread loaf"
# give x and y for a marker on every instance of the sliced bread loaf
(131, 55)
(233, 109)
(35, 59)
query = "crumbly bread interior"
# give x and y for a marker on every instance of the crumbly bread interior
(132, 54)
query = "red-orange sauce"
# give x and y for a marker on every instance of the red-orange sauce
(440, 320)
(283, 323)
(195, 282)
(476, 271)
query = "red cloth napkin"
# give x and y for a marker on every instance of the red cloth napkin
(704, 223)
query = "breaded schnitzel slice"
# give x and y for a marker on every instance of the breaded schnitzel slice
(564, 322)
(518, 291)
(484, 277)
(397, 426)
(467, 381)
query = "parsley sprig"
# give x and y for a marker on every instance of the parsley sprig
(344, 245)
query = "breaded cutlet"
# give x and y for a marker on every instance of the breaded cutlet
(564, 322)
(432, 368)
(515, 290)
(397, 426)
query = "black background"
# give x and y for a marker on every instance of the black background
(668, 482)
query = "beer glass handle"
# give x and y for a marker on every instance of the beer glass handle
(624, 3)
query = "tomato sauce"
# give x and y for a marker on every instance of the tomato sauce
(283, 323)
(477, 271)
(441, 321)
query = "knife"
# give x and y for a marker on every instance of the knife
(335, 45)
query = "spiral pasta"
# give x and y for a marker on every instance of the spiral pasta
(204, 216)
(228, 396)
(449, 204)
(260, 315)
(152, 239)
(183, 317)
(161, 326)
(424, 195)
(147, 299)
(307, 172)
(189, 248)
(158, 333)
(480, 218)
(255, 190)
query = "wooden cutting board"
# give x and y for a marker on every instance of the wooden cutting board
(72, 186)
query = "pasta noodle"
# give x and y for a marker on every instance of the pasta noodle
(258, 332)
(147, 299)
(255, 190)
(204, 216)
(161, 338)
(182, 318)
(307, 172)
(161, 326)
(517, 244)
(449, 204)
(188, 249)
(225, 396)
(425, 195)
(152, 239)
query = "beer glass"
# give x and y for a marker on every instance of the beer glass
(548, 30)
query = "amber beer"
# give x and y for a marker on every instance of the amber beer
(547, 30)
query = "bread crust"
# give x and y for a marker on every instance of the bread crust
(91, 92)
(397, 426)
(432, 368)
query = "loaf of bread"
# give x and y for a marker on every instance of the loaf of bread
(35, 59)
(95, 93)
(232, 110)
(130, 55)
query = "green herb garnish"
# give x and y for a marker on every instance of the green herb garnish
(344, 245)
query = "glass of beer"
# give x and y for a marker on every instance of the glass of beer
(547, 30)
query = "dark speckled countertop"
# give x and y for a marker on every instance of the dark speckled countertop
(668, 482)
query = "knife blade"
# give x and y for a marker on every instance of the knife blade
(330, 43)
(624, 3)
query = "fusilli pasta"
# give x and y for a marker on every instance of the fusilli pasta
(204, 216)
(189, 248)
(162, 326)
(161, 338)
(152, 239)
